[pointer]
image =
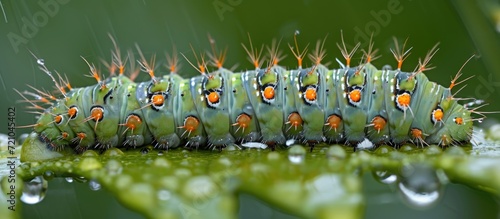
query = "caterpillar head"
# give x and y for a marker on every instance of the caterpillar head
(47, 129)
(456, 127)
(459, 124)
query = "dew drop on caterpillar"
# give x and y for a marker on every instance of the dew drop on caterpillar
(269, 104)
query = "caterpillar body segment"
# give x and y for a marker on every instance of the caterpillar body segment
(352, 90)
(210, 95)
(399, 88)
(245, 126)
(134, 128)
(333, 128)
(310, 102)
(265, 91)
(187, 120)
(156, 101)
(85, 135)
(377, 129)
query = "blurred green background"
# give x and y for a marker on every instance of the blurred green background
(62, 31)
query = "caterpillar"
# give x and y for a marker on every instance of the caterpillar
(269, 104)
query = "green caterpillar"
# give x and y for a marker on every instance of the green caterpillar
(269, 105)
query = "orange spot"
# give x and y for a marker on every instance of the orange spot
(58, 119)
(133, 121)
(438, 114)
(310, 94)
(190, 123)
(243, 120)
(294, 120)
(355, 95)
(64, 134)
(458, 120)
(416, 133)
(158, 99)
(333, 121)
(404, 100)
(378, 123)
(213, 97)
(269, 93)
(81, 135)
(97, 113)
(72, 111)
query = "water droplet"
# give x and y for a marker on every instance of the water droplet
(273, 155)
(296, 154)
(113, 167)
(385, 177)
(162, 162)
(113, 152)
(182, 173)
(480, 120)
(48, 175)
(200, 187)
(94, 185)
(418, 198)
(69, 179)
(123, 182)
(365, 144)
(90, 153)
(89, 163)
(456, 151)
(420, 185)
(80, 179)
(231, 147)
(34, 190)
(433, 150)
(384, 149)
(40, 62)
(254, 145)
(407, 148)
(225, 162)
(164, 195)
(336, 153)
(145, 150)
